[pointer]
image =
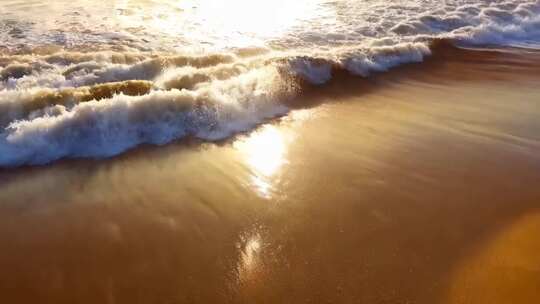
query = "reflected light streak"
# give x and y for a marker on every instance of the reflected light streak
(249, 262)
(264, 152)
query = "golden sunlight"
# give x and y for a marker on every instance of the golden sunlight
(261, 17)
(249, 257)
(223, 23)
(264, 152)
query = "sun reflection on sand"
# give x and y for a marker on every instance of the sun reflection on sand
(249, 267)
(265, 153)
(250, 251)
(266, 150)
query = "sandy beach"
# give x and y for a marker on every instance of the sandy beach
(415, 186)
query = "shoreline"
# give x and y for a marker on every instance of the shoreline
(509, 63)
(384, 189)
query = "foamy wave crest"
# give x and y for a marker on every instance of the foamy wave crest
(506, 23)
(318, 70)
(63, 103)
(518, 26)
(166, 98)
(73, 69)
(110, 126)
(25, 104)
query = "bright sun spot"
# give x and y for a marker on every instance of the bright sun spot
(250, 256)
(264, 152)
(261, 17)
(220, 23)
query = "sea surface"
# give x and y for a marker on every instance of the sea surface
(93, 79)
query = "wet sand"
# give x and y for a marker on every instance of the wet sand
(416, 186)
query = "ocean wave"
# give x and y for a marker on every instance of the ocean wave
(110, 126)
(25, 104)
(506, 23)
(58, 104)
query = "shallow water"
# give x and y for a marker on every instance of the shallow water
(215, 25)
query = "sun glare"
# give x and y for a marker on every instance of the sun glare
(232, 23)
(264, 18)
(264, 152)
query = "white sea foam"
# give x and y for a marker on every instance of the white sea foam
(141, 81)
(108, 127)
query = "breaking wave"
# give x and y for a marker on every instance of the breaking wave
(68, 104)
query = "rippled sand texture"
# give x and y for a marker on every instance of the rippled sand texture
(416, 186)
